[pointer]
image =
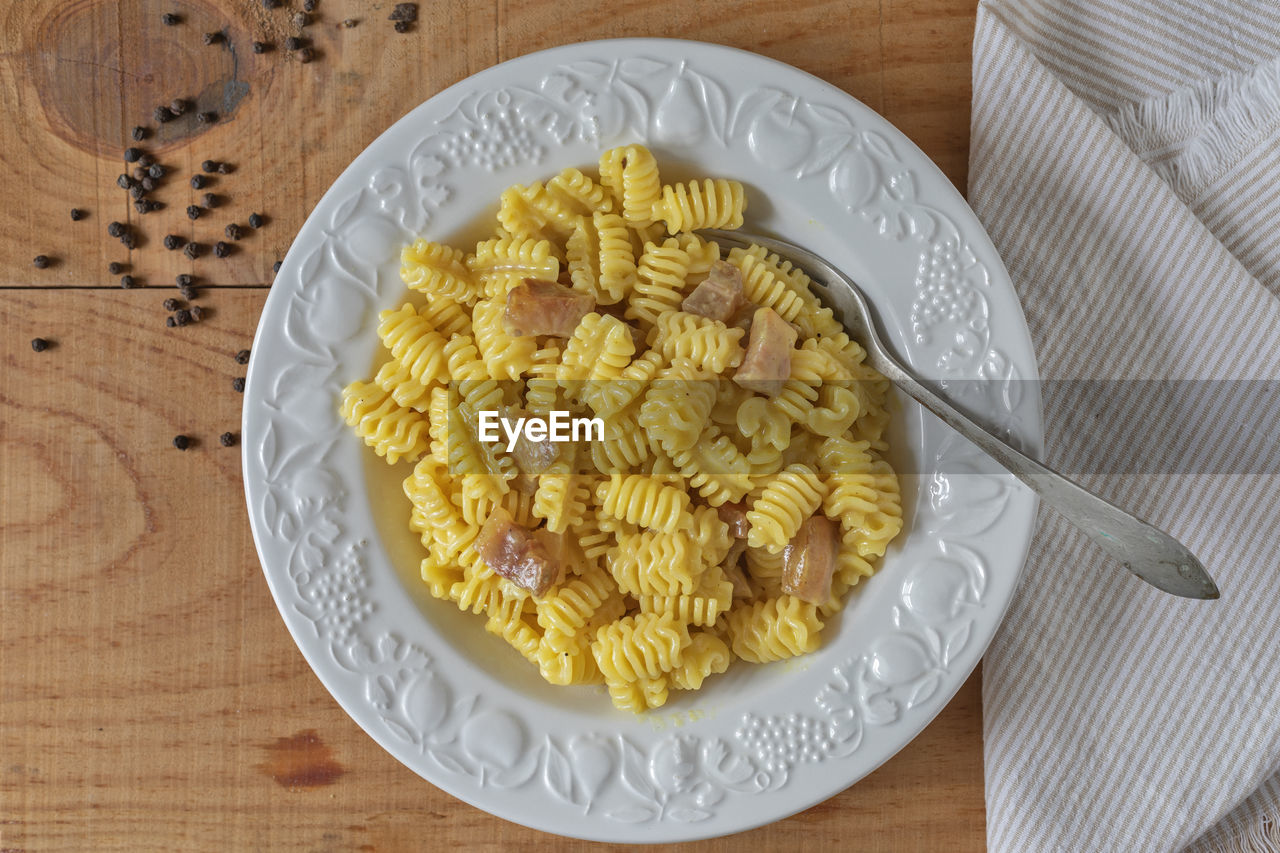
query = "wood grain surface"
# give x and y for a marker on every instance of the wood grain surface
(150, 695)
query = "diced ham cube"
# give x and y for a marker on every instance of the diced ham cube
(767, 363)
(515, 553)
(809, 560)
(532, 457)
(719, 295)
(539, 307)
(734, 515)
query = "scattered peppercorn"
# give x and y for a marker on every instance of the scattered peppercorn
(184, 280)
(208, 117)
(197, 313)
(115, 268)
(131, 155)
(301, 19)
(41, 261)
(237, 384)
(261, 46)
(146, 161)
(170, 19)
(129, 240)
(271, 4)
(242, 357)
(212, 38)
(172, 304)
(77, 214)
(293, 43)
(198, 182)
(174, 241)
(148, 184)
(178, 106)
(255, 220)
(146, 205)
(128, 281)
(276, 266)
(137, 191)
(225, 168)
(233, 231)
(228, 439)
(309, 5)
(188, 293)
(211, 200)
(182, 316)
(170, 322)
(156, 171)
(181, 441)
(138, 174)
(162, 115)
(139, 133)
(406, 12)
(221, 249)
(193, 250)
(402, 26)
(193, 211)
(306, 55)
(209, 166)
(39, 344)
(124, 182)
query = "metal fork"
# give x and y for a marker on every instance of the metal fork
(1147, 551)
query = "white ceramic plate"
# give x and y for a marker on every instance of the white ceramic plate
(457, 705)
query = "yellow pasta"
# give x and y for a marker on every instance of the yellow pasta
(660, 548)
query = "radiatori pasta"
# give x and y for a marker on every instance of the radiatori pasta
(738, 488)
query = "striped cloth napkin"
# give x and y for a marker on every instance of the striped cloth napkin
(1126, 160)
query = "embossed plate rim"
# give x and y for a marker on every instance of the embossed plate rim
(584, 771)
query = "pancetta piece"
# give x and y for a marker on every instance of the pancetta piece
(809, 560)
(719, 295)
(767, 362)
(734, 515)
(515, 553)
(539, 307)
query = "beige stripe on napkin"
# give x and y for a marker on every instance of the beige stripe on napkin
(1126, 160)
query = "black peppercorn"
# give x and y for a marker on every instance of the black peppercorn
(146, 161)
(138, 174)
(301, 19)
(197, 313)
(41, 261)
(404, 12)
(115, 268)
(131, 155)
(225, 168)
(156, 171)
(181, 441)
(402, 26)
(172, 304)
(162, 115)
(261, 47)
(276, 266)
(124, 182)
(212, 38)
(170, 19)
(148, 184)
(115, 229)
(182, 316)
(237, 384)
(39, 344)
(242, 357)
(228, 439)
(137, 191)
(293, 43)
(309, 5)
(128, 281)
(146, 205)
(306, 55)
(184, 280)
(139, 133)
(178, 106)
(193, 211)
(255, 220)
(271, 4)
(193, 250)
(233, 231)
(170, 322)
(197, 182)
(173, 242)
(209, 166)
(208, 117)
(211, 200)
(221, 249)
(129, 240)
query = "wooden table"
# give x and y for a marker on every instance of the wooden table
(150, 696)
